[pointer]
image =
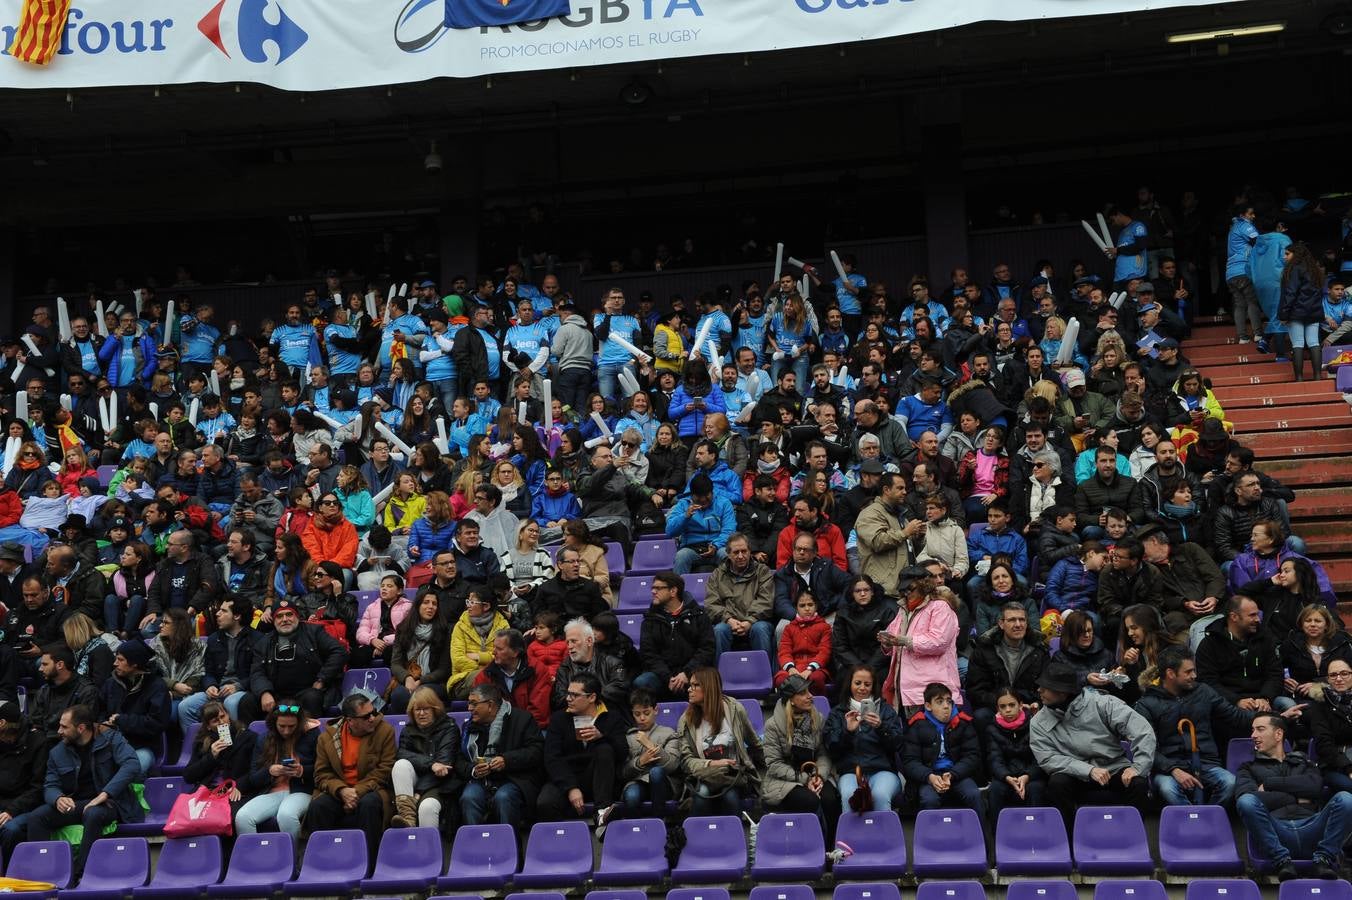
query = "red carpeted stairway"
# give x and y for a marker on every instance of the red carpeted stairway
(1301, 433)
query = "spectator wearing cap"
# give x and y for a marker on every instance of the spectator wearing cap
(214, 424)
(701, 524)
(135, 701)
(23, 768)
(1167, 367)
(1078, 739)
(1081, 411)
(295, 660)
(13, 570)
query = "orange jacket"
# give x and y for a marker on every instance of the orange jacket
(337, 544)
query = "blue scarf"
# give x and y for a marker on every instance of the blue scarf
(943, 763)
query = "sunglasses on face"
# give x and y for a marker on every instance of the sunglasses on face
(328, 502)
(293, 710)
(367, 717)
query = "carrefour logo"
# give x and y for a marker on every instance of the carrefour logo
(248, 30)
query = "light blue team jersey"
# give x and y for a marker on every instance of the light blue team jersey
(789, 340)
(89, 357)
(409, 325)
(1238, 246)
(528, 339)
(755, 384)
(735, 401)
(1133, 266)
(494, 354)
(752, 335)
(443, 367)
(627, 327)
(199, 345)
(211, 429)
(294, 342)
(341, 362)
(849, 303)
(719, 332)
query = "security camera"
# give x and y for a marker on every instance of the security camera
(432, 162)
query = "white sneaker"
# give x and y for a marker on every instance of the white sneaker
(1244, 340)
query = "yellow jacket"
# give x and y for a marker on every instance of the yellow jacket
(403, 513)
(464, 641)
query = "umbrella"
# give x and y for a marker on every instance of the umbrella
(861, 801)
(1198, 797)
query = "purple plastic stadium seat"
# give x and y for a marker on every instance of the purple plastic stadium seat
(185, 867)
(536, 895)
(754, 714)
(397, 723)
(364, 599)
(1031, 841)
(160, 793)
(950, 890)
(878, 843)
(715, 851)
(409, 861)
(259, 864)
(456, 897)
(700, 893)
(633, 853)
(334, 861)
(1197, 840)
(746, 673)
(651, 556)
(373, 680)
(481, 856)
(1222, 889)
(1344, 383)
(615, 558)
(824, 707)
(1314, 888)
(631, 624)
(782, 892)
(558, 854)
(697, 586)
(115, 865)
(1129, 889)
(259, 727)
(669, 713)
(635, 594)
(949, 843)
(48, 861)
(461, 718)
(106, 474)
(616, 894)
(789, 848)
(1041, 890)
(867, 890)
(176, 768)
(1110, 840)
(1240, 750)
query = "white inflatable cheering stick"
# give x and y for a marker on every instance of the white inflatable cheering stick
(1094, 236)
(779, 261)
(63, 318)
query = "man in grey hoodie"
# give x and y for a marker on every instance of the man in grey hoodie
(1077, 738)
(573, 347)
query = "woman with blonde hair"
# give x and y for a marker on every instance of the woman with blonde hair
(404, 506)
(1308, 649)
(462, 494)
(515, 497)
(527, 565)
(30, 471)
(1105, 375)
(74, 466)
(423, 776)
(93, 648)
(720, 755)
(1053, 332)
(434, 531)
(351, 490)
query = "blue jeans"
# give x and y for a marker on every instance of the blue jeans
(1303, 334)
(287, 809)
(608, 378)
(729, 803)
(146, 758)
(190, 707)
(761, 637)
(508, 804)
(963, 794)
(1320, 836)
(14, 833)
(884, 785)
(687, 559)
(656, 790)
(123, 618)
(1218, 788)
(446, 390)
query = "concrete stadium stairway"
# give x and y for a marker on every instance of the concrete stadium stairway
(1301, 433)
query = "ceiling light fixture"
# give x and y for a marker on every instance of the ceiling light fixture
(1216, 34)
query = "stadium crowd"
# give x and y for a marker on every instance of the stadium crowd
(1001, 529)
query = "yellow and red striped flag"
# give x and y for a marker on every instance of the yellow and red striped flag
(39, 33)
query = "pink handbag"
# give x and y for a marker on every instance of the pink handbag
(204, 811)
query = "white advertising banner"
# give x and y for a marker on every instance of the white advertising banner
(316, 45)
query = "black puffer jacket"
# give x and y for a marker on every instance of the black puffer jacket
(1302, 297)
(1234, 524)
(854, 637)
(438, 744)
(1296, 658)
(1008, 753)
(1206, 709)
(682, 642)
(1292, 788)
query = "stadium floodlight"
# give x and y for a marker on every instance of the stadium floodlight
(1216, 34)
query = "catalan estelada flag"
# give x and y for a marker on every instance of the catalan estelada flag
(479, 13)
(39, 33)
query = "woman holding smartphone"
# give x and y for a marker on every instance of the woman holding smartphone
(282, 775)
(223, 751)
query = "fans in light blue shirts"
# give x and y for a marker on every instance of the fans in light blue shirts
(1130, 252)
(200, 340)
(925, 411)
(411, 329)
(440, 365)
(294, 341)
(750, 378)
(524, 340)
(607, 325)
(720, 328)
(1244, 298)
(735, 400)
(752, 322)
(1337, 306)
(791, 339)
(340, 339)
(847, 291)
